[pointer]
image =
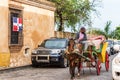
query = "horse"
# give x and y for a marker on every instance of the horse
(74, 59)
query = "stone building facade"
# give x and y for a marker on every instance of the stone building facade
(24, 24)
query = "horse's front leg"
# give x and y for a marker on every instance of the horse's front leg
(79, 68)
(72, 70)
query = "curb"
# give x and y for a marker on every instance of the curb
(13, 68)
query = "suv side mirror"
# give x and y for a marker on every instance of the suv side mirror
(39, 45)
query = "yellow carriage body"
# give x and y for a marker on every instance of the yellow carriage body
(102, 55)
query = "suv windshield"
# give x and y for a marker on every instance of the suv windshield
(55, 44)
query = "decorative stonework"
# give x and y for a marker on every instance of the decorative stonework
(13, 6)
(38, 3)
(44, 2)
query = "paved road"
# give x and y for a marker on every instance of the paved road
(53, 73)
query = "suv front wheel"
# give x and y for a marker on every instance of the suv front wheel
(63, 63)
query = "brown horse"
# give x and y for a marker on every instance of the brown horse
(74, 59)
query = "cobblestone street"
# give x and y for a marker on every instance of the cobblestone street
(53, 73)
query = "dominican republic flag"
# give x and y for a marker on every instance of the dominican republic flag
(17, 24)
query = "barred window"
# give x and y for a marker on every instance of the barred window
(15, 27)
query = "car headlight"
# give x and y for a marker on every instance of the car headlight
(117, 60)
(56, 51)
(34, 52)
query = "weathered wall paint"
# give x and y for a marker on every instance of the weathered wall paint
(38, 24)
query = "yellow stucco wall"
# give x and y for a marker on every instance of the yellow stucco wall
(4, 26)
(38, 24)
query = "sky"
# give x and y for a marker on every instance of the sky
(109, 10)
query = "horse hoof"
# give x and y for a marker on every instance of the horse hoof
(78, 74)
(73, 78)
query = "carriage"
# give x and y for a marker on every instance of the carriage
(90, 57)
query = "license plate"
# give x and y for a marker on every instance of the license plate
(43, 58)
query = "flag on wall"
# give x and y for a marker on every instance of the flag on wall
(17, 24)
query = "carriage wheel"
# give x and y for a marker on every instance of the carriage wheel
(98, 66)
(107, 61)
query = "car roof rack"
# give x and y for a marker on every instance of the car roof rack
(53, 37)
(57, 38)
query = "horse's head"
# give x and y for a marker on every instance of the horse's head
(71, 45)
